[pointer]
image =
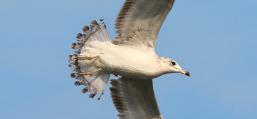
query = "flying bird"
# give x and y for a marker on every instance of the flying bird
(130, 56)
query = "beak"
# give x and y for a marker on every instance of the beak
(185, 73)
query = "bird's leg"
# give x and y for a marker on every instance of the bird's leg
(89, 74)
(73, 59)
(87, 57)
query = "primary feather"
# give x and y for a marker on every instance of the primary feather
(139, 22)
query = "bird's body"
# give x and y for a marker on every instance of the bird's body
(125, 61)
(131, 56)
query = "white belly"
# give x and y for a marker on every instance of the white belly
(127, 61)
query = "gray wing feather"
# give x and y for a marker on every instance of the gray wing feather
(139, 21)
(134, 99)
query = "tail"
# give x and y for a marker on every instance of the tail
(95, 82)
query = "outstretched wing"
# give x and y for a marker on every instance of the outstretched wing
(134, 99)
(139, 21)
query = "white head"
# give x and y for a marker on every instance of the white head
(171, 66)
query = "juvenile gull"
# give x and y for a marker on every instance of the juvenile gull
(131, 56)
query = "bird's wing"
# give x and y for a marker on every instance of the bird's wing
(139, 22)
(134, 99)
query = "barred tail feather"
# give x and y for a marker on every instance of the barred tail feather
(94, 83)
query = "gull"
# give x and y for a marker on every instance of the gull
(130, 56)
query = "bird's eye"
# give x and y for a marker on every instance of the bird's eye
(173, 63)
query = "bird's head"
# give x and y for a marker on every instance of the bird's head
(172, 66)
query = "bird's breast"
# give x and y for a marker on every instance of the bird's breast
(128, 62)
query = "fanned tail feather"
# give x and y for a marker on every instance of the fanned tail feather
(94, 83)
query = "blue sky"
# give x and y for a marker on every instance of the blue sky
(216, 40)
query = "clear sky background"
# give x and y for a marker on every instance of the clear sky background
(216, 40)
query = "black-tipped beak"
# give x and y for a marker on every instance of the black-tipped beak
(187, 74)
